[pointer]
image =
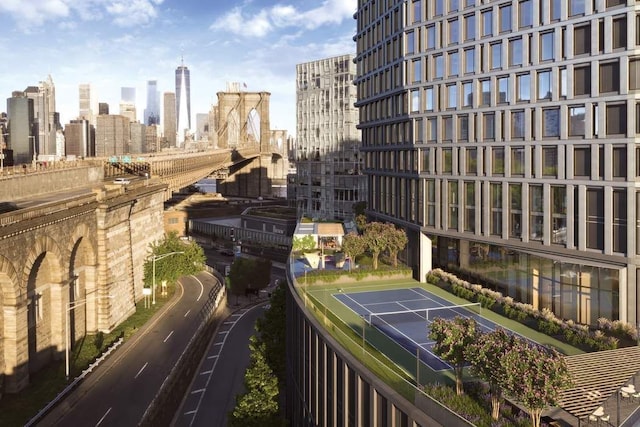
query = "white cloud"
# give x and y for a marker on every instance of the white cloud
(282, 16)
(129, 13)
(35, 13)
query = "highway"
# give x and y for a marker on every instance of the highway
(119, 391)
(221, 374)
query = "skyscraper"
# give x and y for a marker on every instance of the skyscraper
(21, 123)
(45, 116)
(152, 112)
(183, 100)
(128, 103)
(329, 179)
(170, 118)
(88, 103)
(502, 137)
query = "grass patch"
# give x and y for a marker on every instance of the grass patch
(46, 384)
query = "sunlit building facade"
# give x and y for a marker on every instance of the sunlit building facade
(505, 132)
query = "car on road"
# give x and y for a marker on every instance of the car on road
(226, 252)
(121, 181)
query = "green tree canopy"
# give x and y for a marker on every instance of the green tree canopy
(258, 406)
(451, 338)
(486, 356)
(271, 330)
(303, 244)
(376, 237)
(535, 377)
(353, 245)
(395, 243)
(172, 267)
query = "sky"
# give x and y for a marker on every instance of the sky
(124, 43)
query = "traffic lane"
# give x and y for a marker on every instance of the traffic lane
(121, 394)
(221, 374)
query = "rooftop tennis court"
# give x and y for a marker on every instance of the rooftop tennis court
(404, 315)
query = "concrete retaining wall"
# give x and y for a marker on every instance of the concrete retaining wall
(45, 181)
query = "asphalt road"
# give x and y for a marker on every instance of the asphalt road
(119, 391)
(221, 374)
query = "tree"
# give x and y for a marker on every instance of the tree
(353, 245)
(258, 406)
(190, 261)
(486, 357)
(303, 244)
(535, 377)
(239, 277)
(451, 338)
(259, 272)
(376, 238)
(396, 242)
(271, 330)
(359, 208)
(361, 222)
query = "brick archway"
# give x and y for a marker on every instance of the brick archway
(10, 352)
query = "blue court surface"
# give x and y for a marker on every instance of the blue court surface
(401, 314)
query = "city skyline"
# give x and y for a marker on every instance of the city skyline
(112, 45)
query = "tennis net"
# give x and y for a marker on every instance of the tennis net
(422, 315)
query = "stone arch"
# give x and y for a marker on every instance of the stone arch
(45, 302)
(82, 291)
(233, 132)
(253, 126)
(9, 300)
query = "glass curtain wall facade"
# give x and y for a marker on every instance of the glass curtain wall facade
(506, 132)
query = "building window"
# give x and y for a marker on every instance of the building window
(417, 11)
(497, 161)
(430, 101)
(454, 31)
(638, 120)
(559, 214)
(576, 121)
(496, 55)
(595, 218)
(496, 209)
(411, 42)
(517, 124)
(515, 210)
(439, 66)
(467, 94)
(415, 101)
(517, 161)
(470, 207)
(432, 129)
(619, 32)
(582, 40)
(515, 52)
(619, 162)
(613, 3)
(536, 212)
(563, 82)
(471, 161)
(452, 96)
(469, 27)
(610, 77)
(469, 60)
(417, 70)
(555, 9)
(576, 7)
(582, 162)
(447, 123)
(453, 5)
(617, 119)
(582, 80)
(447, 161)
(550, 161)
(505, 18)
(431, 37)
(551, 122)
(453, 204)
(487, 23)
(634, 74)
(454, 63)
(503, 90)
(439, 6)
(486, 92)
(431, 202)
(525, 14)
(489, 126)
(619, 220)
(544, 84)
(546, 46)
(463, 128)
(523, 85)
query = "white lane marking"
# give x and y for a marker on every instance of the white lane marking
(206, 372)
(212, 357)
(187, 313)
(191, 412)
(103, 417)
(168, 336)
(198, 391)
(201, 287)
(140, 371)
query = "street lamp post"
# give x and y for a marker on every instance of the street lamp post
(155, 258)
(72, 306)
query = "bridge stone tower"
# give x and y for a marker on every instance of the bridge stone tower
(242, 124)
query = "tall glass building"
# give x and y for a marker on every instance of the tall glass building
(505, 133)
(183, 100)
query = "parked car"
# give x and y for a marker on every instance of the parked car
(226, 252)
(121, 181)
